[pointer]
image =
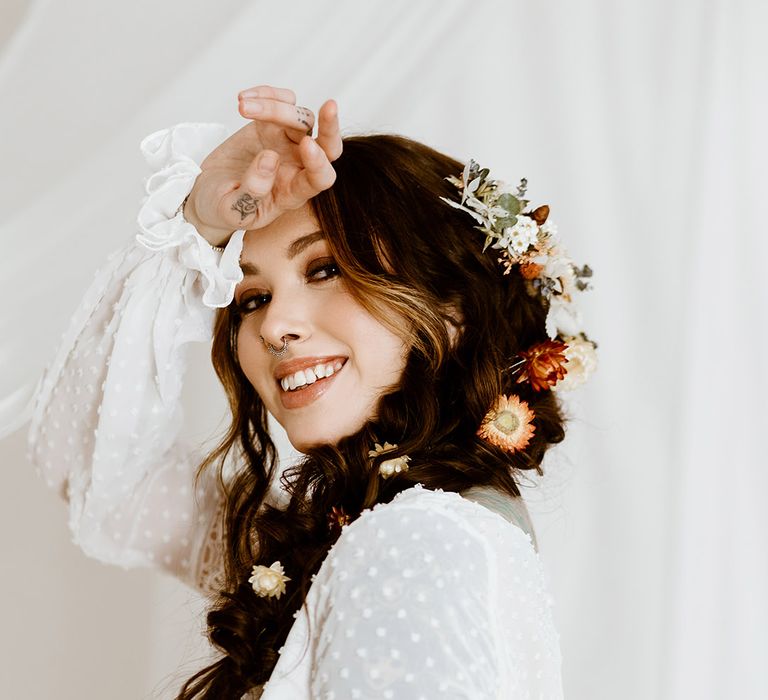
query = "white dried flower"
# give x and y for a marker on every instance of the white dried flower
(268, 581)
(389, 466)
(520, 237)
(582, 362)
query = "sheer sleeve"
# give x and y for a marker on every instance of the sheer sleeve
(422, 603)
(105, 427)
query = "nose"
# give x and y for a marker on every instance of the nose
(287, 318)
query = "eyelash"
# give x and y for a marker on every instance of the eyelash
(327, 265)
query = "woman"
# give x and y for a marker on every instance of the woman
(410, 357)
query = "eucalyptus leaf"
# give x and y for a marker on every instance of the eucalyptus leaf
(510, 203)
(506, 222)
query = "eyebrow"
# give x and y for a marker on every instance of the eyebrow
(299, 245)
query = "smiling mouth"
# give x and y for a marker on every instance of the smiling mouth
(310, 376)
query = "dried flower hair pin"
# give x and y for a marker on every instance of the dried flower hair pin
(509, 424)
(555, 364)
(268, 581)
(337, 519)
(389, 466)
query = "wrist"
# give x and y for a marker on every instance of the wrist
(216, 237)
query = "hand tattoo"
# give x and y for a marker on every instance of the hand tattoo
(246, 205)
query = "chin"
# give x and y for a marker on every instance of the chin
(304, 440)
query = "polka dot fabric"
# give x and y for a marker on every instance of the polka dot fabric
(429, 596)
(104, 431)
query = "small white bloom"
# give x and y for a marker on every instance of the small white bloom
(563, 318)
(393, 466)
(268, 581)
(521, 236)
(582, 362)
(389, 466)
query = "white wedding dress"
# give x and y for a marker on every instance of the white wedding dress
(434, 595)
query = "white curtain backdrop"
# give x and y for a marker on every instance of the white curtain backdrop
(642, 124)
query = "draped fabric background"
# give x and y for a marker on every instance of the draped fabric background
(642, 124)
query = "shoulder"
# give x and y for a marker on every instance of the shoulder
(437, 536)
(424, 515)
(431, 593)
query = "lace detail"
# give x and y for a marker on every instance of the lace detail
(209, 575)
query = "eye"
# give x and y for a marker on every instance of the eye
(252, 303)
(323, 269)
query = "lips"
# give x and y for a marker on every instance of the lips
(287, 367)
(301, 371)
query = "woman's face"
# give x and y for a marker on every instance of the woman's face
(339, 358)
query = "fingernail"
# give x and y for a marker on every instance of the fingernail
(252, 107)
(268, 163)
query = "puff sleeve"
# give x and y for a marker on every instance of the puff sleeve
(107, 416)
(425, 601)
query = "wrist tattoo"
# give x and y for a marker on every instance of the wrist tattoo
(245, 205)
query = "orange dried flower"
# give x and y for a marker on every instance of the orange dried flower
(544, 364)
(530, 271)
(508, 424)
(540, 214)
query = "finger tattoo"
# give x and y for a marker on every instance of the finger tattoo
(303, 115)
(245, 205)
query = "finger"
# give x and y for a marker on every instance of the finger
(328, 130)
(316, 175)
(286, 115)
(241, 206)
(272, 93)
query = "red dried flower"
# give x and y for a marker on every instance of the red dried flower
(337, 518)
(544, 364)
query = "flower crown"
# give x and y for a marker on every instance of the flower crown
(527, 242)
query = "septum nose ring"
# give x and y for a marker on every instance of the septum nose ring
(274, 351)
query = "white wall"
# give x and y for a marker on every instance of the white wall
(642, 124)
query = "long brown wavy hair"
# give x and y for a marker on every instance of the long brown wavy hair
(399, 248)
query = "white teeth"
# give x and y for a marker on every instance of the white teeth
(310, 375)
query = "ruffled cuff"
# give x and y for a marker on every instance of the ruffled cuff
(175, 154)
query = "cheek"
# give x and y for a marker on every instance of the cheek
(251, 356)
(381, 353)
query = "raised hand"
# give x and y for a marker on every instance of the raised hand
(269, 166)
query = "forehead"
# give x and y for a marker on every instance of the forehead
(285, 237)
